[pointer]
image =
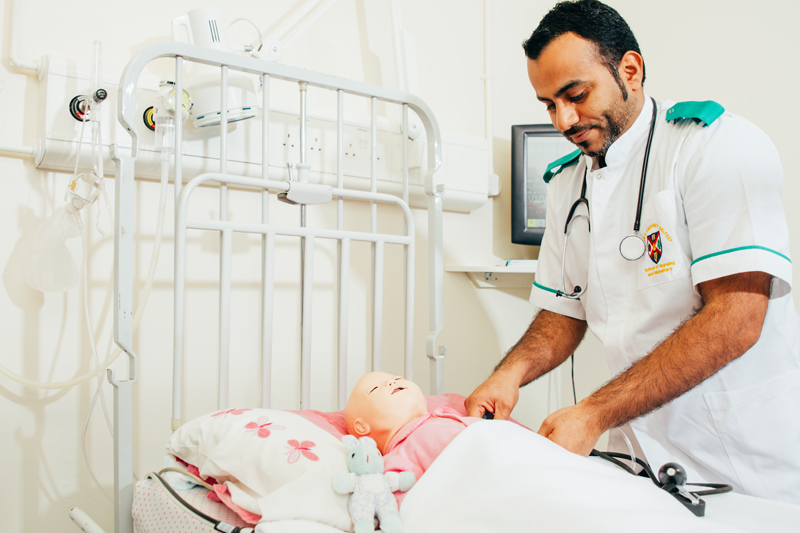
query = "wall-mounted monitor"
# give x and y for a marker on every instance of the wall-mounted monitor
(533, 147)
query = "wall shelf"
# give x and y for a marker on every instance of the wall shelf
(514, 276)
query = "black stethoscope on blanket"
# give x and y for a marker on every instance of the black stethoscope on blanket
(671, 478)
(632, 247)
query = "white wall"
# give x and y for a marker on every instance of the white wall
(739, 53)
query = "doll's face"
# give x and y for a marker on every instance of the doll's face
(381, 404)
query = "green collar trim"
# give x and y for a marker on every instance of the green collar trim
(706, 112)
(560, 164)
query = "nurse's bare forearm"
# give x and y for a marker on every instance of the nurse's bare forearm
(728, 324)
(547, 343)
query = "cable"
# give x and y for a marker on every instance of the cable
(714, 488)
(613, 457)
(97, 166)
(260, 40)
(624, 436)
(574, 394)
(142, 303)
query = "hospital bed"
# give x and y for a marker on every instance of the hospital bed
(270, 466)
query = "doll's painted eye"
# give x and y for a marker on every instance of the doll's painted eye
(352, 455)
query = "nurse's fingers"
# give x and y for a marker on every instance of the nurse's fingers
(477, 407)
(569, 429)
(502, 408)
(493, 396)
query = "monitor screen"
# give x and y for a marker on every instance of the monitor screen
(533, 147)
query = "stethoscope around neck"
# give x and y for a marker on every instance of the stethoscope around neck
(632, 247)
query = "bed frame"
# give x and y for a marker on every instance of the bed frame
(299, 191)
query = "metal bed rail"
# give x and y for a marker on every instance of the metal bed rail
(125, 159)
(307, 237)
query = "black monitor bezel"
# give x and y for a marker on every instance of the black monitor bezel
(520, 133)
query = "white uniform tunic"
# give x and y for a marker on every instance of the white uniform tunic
(712, 207)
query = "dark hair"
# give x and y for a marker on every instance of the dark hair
(591, 20)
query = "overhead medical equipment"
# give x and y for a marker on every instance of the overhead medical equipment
(273, 45)
(632, 247)
(206, 27)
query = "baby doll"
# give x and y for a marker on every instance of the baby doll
(394, 413)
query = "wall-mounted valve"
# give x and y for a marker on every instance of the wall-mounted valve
(166, 105)
(80, 105)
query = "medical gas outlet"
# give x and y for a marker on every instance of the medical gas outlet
(79, 105)
(166, 104)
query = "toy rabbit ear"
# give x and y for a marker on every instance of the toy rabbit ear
(350, 442)
(367, 441)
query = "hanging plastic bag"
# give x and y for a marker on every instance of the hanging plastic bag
(50, 266)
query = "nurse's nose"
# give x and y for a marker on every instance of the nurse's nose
(565, 117)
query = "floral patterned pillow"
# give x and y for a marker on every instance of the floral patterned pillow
(268, 464)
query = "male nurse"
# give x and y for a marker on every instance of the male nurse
(666, 237)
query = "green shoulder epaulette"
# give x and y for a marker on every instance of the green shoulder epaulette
(706, 112)
(560, 164)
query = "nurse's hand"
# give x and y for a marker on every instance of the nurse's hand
(574, 428)
(498, 394)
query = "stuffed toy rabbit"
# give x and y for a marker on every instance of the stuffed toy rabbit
(371, 488)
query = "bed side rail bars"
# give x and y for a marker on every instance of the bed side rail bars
(126, 157)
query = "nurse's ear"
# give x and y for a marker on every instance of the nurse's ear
(631, 70)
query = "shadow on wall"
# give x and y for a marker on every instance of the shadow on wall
(37, 409)
(371, 62)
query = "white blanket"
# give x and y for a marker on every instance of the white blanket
(497, 476)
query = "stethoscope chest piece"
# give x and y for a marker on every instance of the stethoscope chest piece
(632, 247)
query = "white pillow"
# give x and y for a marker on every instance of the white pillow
(275, 464)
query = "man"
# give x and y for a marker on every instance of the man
(695, 313)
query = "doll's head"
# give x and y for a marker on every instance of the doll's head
(380, 404)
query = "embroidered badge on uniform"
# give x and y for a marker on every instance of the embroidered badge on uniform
(654, 247)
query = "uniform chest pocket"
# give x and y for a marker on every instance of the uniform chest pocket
(664, 260)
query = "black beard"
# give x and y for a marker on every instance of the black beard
(615, 123)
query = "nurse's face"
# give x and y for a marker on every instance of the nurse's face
(586, 103)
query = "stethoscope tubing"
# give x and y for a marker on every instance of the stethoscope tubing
(644, 168)
(641, 245)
